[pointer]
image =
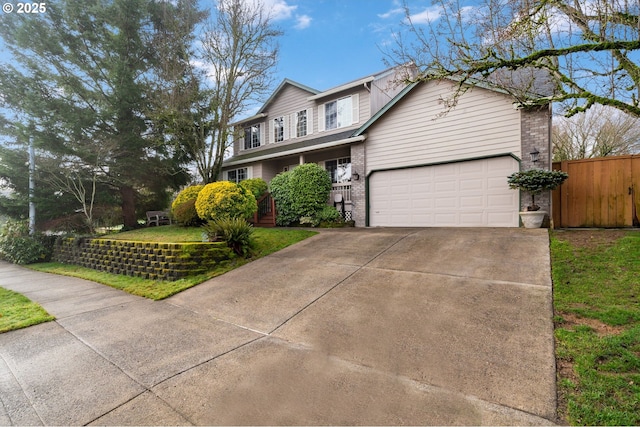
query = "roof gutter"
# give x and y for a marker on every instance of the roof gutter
(248, 119)
(341, 88)
(300, 150)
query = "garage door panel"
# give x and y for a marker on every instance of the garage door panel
(472, 202)
(473, 193)
(471, 185)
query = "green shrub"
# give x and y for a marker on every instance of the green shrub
(225, 199)
(282, 195)
(186, 214)
(189, 193)
(257, 186)
(311, 185)
(236, 232)
(18, 247)
(328, 214)
(301, 193)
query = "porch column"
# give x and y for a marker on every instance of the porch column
(358, 196)
(301, 159)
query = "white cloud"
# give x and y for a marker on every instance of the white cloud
(279, 10)
(302, 22)
(391, 13)
(427, 16)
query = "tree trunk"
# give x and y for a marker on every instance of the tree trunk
(128, 204)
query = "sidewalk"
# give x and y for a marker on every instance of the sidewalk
(399, 331)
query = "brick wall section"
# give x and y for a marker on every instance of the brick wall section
(536, 133)
(358, 196)
(156, 261)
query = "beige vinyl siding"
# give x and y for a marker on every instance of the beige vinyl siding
(289, 101)
(415, 131)
(383, 90)
(360, 111)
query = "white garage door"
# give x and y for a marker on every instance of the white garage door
(465, 194)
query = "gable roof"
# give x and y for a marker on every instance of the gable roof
(476, 83)
(281, 87)
(261, 110)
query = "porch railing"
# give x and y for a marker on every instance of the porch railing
(266, 214)
(343, 189)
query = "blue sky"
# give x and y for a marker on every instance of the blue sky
(330, 42)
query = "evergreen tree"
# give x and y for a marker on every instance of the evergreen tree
(81, 79)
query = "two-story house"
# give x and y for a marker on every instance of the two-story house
(396, 155)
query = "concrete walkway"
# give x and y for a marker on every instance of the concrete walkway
(360, 326)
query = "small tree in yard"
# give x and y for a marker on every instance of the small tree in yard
(535, 181)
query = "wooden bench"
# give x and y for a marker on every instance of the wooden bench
(157, 218)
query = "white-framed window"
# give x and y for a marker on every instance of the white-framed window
(339, 169)
(339, 113)
(237, 175)
(278, 129)
(301, 123)
(252, 136)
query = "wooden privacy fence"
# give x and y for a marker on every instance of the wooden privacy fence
(602, 192)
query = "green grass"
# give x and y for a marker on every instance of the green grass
(597, 313)
(165, 233)
(18, 311)
(266, 241)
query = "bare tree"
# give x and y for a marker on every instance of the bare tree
(81, 182)
(239, 52)
(585, 51)
(598, 132)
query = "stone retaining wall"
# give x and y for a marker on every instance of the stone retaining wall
(149, 260)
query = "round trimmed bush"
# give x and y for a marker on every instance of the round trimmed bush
(301, 193)
(225, 199)
(311, 185)
(183, 208)
(282, 195)
(185, 214)
(189, 193)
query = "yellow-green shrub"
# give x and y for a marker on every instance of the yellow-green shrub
(225, 199)
(189, 193)
(183, 207)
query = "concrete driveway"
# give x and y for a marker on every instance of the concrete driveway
(359, 326)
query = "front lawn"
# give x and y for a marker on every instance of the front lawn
(18, 311)
(596, 277)
(267, 241)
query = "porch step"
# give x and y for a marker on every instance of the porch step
(265, 221)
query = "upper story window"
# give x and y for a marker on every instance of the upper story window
(278, 129)
(301, 123)
(252, 137)
(339, 113)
